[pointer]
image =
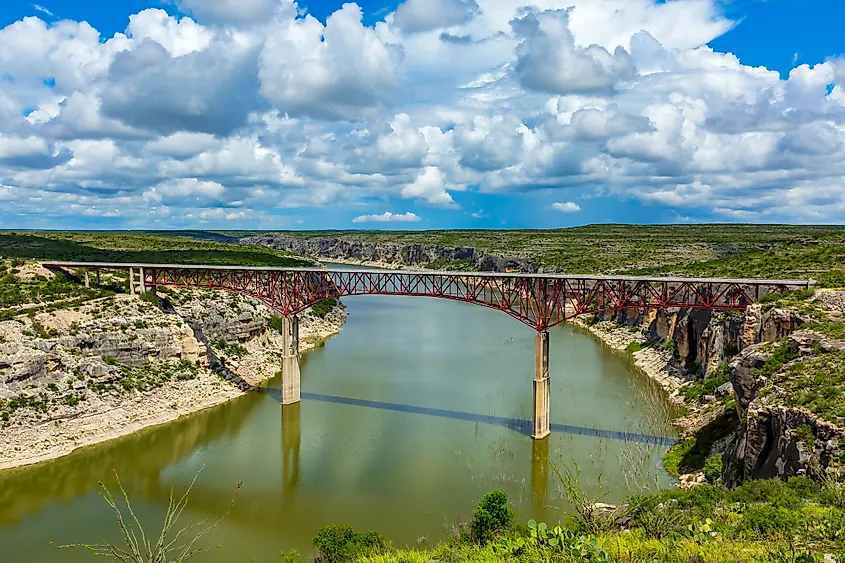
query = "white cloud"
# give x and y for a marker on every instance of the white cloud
(251, 108)
(42, 9)
(387, 217)
(234, 12)
(430, 186)
(338, 70)
(566, 207)
(548, 59)
(424, 15)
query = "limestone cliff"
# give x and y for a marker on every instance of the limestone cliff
(779, 435)
(112, 366)
(328, 248)
(68, 348)
(700, 339)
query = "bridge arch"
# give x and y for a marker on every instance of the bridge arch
(539, 301)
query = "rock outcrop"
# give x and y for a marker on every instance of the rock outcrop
(387, 253)
(129, 332)
(702, 339)
(775, 440)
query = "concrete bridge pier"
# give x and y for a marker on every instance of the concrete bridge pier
(290, 360)
(541, 386)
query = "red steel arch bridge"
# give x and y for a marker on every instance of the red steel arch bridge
(540, 301)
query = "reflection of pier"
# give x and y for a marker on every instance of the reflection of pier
(540, 301)
(291, 440)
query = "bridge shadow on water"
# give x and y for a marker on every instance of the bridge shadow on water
(518, 424)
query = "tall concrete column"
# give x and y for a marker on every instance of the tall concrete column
(541, 386)
(290, 360)
(98, 278)
(87, 279)
(131, 281)
(141, 280)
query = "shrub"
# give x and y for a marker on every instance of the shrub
(634, 347)
(150, 297)
(713, 468)
(492, 516)
(322, 308)
(337, 543)
(276, 323)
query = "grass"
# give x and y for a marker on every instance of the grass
(723, 250)
(815, 383)
(758, 522)
(829, 329)
(14, 293)
(231, 349)
(690, 454)
(138, 247)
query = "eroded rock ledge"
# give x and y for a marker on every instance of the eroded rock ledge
(760, 360)
(76, 377)
(391, 255)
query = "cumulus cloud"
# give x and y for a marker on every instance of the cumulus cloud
(243, 112)
(234, 12)
(387, 217)
(566, 207)
(332, 71)
(424, 15)
(548, 60)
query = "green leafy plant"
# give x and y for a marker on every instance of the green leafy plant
(577, 546)
(337, 543)
(491, 516)
(713, 468)
(702, 532)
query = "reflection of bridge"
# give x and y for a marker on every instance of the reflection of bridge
(540, 301)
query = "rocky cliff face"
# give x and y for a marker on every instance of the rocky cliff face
(71, 348)
(704, 339)
(409, 255)
(775, 440)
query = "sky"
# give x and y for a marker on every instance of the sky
(419, 114)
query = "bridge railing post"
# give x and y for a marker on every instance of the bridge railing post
(291, 390)
(541, 386)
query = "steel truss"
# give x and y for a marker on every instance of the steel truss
(540, 301)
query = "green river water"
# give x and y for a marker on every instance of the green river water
(410, 473)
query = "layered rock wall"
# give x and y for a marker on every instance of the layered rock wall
(388, 253)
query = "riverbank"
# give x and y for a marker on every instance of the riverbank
(71, 400)
(654, 363)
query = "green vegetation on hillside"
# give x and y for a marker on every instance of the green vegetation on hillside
(718, 250)
(134, 247)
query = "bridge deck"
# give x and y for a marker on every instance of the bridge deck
(116, 265)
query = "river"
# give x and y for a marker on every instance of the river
(408, 417)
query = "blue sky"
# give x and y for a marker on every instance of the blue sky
(420, 114)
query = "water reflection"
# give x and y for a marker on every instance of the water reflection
(291, 438)
(139, 459)
(388, 437)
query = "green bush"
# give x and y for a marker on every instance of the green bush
(276, 323)
(337, 543)
(634, 347)
(492, 516)
(713, 468)
(150, 297)
(322, 308)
